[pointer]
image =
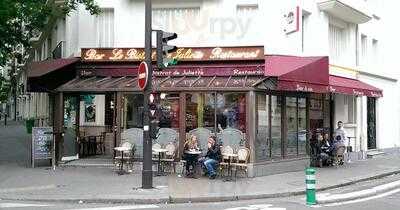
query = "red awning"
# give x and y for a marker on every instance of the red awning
(352, 87)
(40, 68)
(305, 74)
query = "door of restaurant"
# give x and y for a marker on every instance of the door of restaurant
(70, 125)
(371, 121)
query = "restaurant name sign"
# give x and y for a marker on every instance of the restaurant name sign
(182, 54)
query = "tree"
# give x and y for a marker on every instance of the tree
(20, 20)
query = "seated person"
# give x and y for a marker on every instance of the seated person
(323, 150)
(212, 158)
(327, 141)
(191, 160)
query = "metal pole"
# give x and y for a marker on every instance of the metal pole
(14, 76)
(147, 172)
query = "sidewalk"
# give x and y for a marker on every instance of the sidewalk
(103, 185)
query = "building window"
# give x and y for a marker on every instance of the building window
(337, 43)
(200, 111)
(248, 10)
(350, 103)
(375, 52)
(175, 19)
(169, 111)
(276, 127)
(105, 28)
(263, 143)
(304, 24)
(364, 49)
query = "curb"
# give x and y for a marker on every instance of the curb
(172, 199)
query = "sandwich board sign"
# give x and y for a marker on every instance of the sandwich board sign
(42, 142)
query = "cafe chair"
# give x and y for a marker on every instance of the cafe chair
(128, 157)
(242, 161)
(155, 154)
(100, 143)
(82, 144)
(169, 159)
(223, 165)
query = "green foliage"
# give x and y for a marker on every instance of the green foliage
(21, 19)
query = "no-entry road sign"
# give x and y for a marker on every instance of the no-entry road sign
(143, 75)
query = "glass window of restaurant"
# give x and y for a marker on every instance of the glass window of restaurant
(270, 142)
(215, 112)
(132, 110)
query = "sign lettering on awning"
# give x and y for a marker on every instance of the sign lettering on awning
(182, 54)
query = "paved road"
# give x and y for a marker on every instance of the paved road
(389, 202)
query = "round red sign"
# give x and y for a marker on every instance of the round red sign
(143, 73)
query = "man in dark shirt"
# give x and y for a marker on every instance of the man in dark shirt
(212, 157)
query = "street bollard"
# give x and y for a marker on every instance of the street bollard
(5, 120)
(310, 186)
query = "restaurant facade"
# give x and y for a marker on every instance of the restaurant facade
(270, 104)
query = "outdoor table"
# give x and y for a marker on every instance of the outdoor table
(230, 157)
(122, 150)
(160, 152)
(194, 154)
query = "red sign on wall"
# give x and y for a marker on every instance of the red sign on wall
(143, 75)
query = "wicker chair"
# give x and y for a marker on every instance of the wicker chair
(128, 157)
(242, 161)
(223, 165)
(155, 154)
(169, 159)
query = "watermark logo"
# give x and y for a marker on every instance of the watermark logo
(203, 24)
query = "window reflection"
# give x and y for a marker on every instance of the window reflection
(132, 111)
(291, 119)
(169, 111)
(200, 108)
(231, 111)
(276, 126)
(262, 144)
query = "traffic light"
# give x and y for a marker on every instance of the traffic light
(153, 100)
(163, 49)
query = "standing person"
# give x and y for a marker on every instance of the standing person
(212, 158)
(340, 132)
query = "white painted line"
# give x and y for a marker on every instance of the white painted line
(364, 199)
(366, 193)
(20, 205)
(122, 207)
(257, 207)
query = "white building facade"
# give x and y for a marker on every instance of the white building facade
(349, 32)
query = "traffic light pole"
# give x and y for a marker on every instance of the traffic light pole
(147, 172)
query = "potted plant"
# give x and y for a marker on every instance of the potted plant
(29, 123)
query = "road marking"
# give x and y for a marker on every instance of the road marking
(257, 207)
(20, 205)
(31, 188)
(364, 199)
(122, 207)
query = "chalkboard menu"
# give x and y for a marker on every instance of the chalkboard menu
(42, 141)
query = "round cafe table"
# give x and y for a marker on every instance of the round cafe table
(230, 157)
(160, 170)
(193, 154)
(122, 150)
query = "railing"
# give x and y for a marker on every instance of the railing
(58, 52)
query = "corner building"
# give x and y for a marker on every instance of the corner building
(276, 76)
